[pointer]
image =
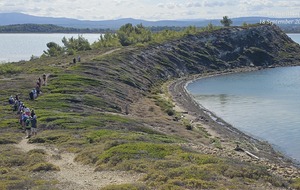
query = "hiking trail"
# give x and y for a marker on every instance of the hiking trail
(75, 176)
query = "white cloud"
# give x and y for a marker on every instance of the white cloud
(149, 9)
(194, 4)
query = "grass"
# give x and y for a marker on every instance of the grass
(126, 187)
(16, 168)
(9, 69)
(296, 183)
(165, 105)
(74, 115)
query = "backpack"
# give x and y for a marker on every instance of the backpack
(27, 123)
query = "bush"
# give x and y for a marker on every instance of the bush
(188, 127)
(4, 171)
(44, 167)
(126, 187)
(9, 68)
(170, 112)
(296, 184)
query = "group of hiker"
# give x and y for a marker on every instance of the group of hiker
(27, 118)
(35, 92)
(78, 59)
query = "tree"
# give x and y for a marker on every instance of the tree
(129, 34)
(53, 49)
(209, 27)
(107, 40)
(226, 21)
(190, 30)
(244, 24)
(72, 44)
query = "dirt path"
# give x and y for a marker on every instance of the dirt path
(75, 176)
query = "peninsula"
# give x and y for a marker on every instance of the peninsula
(121, 119)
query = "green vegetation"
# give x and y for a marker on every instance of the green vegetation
(126, 187)
(9, 69)
(226, 21)
(33, 161)
(81, 110)
(71, 46)
(296, 184)
(127, 35)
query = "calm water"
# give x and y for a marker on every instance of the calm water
(295, 37)
(16, 47)
(265, 104)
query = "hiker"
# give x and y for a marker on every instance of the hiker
(39, 82)
(44, 78)
(37, 90)
(26, 110)
(33, 123)
(28, 127)
(74, 60)
(11, 100)
(78, 58)
(16, 105)
(20, 108)
(17, 97)
(21, 119)
(24, 118)
(31, 95)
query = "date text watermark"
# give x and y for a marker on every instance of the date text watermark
(280, 21)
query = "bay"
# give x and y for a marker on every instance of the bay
(264, 104)
(16, 47)
(295, 37)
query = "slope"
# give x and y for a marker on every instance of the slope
(83, 107)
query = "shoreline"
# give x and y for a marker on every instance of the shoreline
(275, 160)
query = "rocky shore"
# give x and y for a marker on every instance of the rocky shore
(254, 150)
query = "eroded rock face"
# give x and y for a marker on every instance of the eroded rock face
(227, 48)
(135, 70)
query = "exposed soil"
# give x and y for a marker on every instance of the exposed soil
(75, 176)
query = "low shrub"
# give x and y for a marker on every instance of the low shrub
(43, 167)
(126, 187)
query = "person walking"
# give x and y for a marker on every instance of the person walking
(33, 123)
(28, 128)
(44, 78)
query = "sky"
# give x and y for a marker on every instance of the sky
(153, 9)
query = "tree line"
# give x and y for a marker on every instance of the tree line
(46, 28)
(127, 35)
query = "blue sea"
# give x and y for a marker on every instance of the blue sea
(264, 104)
(16, 47)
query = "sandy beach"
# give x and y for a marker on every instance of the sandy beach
(255, 151)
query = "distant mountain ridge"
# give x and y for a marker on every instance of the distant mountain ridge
(20, 18)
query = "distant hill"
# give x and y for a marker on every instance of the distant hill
(20, 18)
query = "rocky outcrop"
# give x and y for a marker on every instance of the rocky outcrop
(136, 70)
